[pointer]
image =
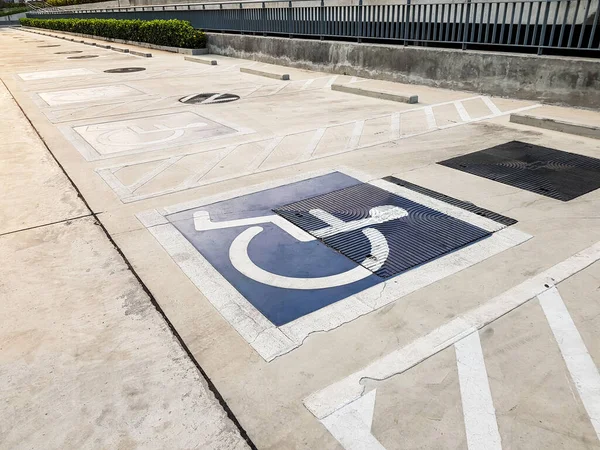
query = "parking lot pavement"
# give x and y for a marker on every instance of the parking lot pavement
(340, 287)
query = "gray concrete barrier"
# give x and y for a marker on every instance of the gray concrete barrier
(563, 126)
(210, 62)
(375, 93)
(264, 73)
(143, 54)
(551, 79)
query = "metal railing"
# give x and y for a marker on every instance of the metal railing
(534, 25)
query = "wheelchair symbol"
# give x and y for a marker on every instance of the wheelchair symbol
(108, 138)
(240, 259)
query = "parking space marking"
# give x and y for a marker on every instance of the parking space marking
(336, 305)
(478, 407)
(584, 372)
(351, 425)
(351, 138)
(333, 397)
(108, 139)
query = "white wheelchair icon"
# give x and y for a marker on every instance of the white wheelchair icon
(123, 137)
(240, 259)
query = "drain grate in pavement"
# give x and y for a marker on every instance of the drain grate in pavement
(209, 98)
(453, 201)
(70, 52)
(125, 70)
(82, 57)
(385, 233)
(546, 171)
(48, 46)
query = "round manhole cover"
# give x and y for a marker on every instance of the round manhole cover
(82, 57)
(125, 70)
(70, 52)
(209, 98)
(48, 46)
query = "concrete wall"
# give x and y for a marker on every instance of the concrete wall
(559, 80)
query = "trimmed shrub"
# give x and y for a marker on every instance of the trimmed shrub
(72, 2)
(172, 33)
(11, 11)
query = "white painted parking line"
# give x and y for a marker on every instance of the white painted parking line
(584, 372)
(462, 111)
(430, 117)
(328, 400)
(481, 426)
(351, 425)
(490, 104)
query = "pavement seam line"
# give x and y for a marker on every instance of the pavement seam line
(46, 224)
(211, 386)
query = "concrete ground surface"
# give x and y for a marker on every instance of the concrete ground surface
(87, 360)
(493, 346)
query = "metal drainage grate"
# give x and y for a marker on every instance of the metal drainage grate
(209, 98)
(125, 70)
(454, 201)
(70, 52)
(546, 171)
(82, 57)
(383, 232)
(48, 46)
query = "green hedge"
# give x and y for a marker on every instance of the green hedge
(172, 33)
(11, 11)
(72, 2)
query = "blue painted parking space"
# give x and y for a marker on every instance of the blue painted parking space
(358, 235)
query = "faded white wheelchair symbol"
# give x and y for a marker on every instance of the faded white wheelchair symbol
(238, 251)
(122, 136)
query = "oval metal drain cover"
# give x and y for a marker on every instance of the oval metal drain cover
(125, 70)
(82, 57)
(70, 52)
(209, 98)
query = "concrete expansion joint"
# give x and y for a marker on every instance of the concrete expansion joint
(65, 221)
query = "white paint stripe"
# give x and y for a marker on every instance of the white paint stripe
(153, 173)
(324, 402)
(356, 134)
(584, 372)
(279, 88)
(264, 155)
(462, 112)
(490, 104)
(202, 222)
(186, 98)
(351, 425)
(313, 144)
(211, 99)
(238, 255)
(331, 81)
(430, 117)
(481, 426)
(194, 180)
(395, 125)
(307, 84)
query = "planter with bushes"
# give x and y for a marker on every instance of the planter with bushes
(158, 33)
